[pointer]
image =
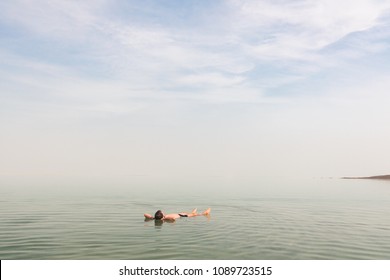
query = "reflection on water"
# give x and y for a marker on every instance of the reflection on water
(329, 219)
(159, 223)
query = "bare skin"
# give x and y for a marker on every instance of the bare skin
(173, 217)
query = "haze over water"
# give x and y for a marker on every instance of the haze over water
(320, 219)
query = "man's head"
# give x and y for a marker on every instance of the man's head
(159, 215)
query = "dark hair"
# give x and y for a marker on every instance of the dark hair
(159, 215)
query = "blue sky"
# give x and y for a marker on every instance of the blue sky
(99, 90)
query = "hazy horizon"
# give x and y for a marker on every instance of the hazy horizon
(129, 92)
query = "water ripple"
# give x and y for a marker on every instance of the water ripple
(255, 227)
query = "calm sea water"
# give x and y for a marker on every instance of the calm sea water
(312, 219)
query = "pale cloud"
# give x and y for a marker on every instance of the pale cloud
(252, 47)
(292, 29)
(65, 20)
(242, 87)
(213, 79)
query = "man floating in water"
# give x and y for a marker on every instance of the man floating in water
(159, 215)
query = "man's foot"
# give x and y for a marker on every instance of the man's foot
(207, 212)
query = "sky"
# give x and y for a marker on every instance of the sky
(192, 92)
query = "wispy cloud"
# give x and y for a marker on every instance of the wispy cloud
(100, 86)
(291, 30)
(252, 46)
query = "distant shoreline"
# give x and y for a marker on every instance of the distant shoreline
(380, 177)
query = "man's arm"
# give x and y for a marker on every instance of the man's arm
(148, 216)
